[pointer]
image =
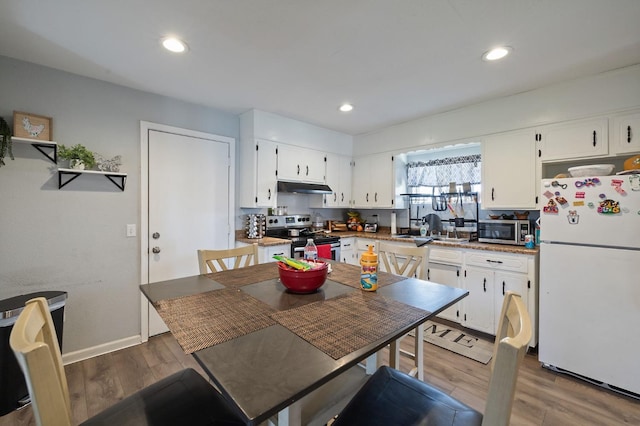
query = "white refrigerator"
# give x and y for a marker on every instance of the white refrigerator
(589, 309)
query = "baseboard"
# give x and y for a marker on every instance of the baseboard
(105, 348)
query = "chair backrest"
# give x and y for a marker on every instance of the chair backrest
(34, 342)
(512, 341)
(214, 260)
(406, 261)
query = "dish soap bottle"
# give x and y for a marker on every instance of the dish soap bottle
(310, 251)
(369, 273)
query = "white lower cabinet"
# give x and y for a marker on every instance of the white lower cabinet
(488, 276)
(477, 307)
(348, 251)
(444, 268)
(265, 253)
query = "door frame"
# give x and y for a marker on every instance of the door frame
(145, 127)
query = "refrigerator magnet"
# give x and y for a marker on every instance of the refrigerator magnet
(578, 203)
(609, 207)
(573, 217)
(580, 194)
(551, 207)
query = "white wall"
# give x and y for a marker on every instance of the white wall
(603, 93)
(74, 239)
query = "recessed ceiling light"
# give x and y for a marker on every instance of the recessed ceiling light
(174, 45)
(346, 107)
(497, 53)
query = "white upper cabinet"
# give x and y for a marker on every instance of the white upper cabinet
(574, 140)
(626, 134)
(509, 171)
(338, 177)
(298, 164)
(373, 181)
(258, 183)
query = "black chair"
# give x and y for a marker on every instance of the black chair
(184, 398)
(391, 397)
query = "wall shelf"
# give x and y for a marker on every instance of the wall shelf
(118, 179)
(41, 146)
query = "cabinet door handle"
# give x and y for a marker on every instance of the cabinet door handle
(484, 285)
(307, 170)
(367, 197)
(298, 170)
(342, 197)
(269, 197)
(375, 197)
(335, 197)
(428, 274)
(492, 192)
(628, 134)
(594, 138)
(503, 288)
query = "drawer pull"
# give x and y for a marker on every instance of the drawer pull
(494, 261)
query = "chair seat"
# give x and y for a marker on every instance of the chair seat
(184, 398)
(391, 397)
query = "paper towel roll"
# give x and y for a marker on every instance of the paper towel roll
(394, 230)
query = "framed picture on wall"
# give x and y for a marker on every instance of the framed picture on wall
(32, 126)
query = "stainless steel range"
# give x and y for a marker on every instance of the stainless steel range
(297, 229)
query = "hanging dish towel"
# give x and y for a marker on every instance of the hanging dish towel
(324, 251)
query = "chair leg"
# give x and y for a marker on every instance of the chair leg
(394, 354)
(419, 353)
(417, 356)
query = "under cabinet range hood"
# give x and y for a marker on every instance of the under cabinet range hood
(303, 188)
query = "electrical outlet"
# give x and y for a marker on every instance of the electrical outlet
(131, 230)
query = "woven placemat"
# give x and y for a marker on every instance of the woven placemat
(245, 276)
(206, 319)
(348, 275)
(347, 323)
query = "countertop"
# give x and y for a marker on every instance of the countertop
(386, 236)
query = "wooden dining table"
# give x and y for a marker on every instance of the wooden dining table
(277, 356)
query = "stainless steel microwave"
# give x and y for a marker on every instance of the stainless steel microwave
(503, 231)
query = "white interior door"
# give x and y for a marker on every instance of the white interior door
(190, 205)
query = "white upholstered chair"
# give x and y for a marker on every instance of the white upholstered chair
(214, 260)
(184, 397)
(391, 397)
(409, 262)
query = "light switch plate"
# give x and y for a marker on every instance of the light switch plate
(131, 230)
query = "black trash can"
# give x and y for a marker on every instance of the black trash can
(14, 388)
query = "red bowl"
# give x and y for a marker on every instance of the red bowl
(299, 281)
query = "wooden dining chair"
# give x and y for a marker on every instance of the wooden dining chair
(391, 397)
(214, 260)
(182, 398)
(408, 262)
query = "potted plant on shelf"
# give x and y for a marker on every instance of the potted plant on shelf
(80, 158)
(5, 141)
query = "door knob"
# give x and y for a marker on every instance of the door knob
(156, 250)
(155, 235)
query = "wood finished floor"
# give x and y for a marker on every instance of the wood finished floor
(542, 397)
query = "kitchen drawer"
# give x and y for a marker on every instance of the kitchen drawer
(363, 243)
(446, 256)
(501, 262)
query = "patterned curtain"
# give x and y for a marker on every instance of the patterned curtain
(438, 173)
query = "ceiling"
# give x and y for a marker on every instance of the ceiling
(395, 60)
